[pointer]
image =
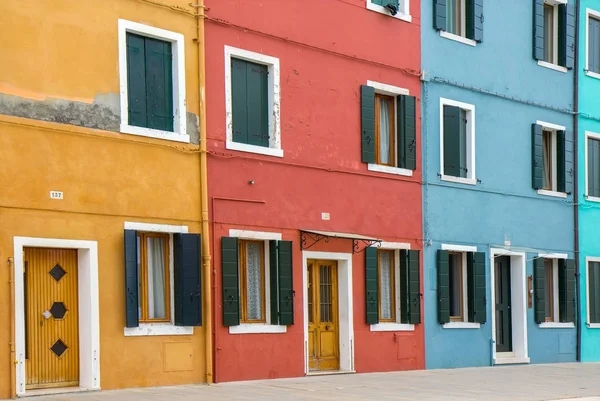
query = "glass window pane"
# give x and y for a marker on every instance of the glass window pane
(548, 33)
(385, 129)
(254, 281)
(386, 282)
(547, 155)
(549, 296)
(157, 280)
(453, 16)
(455, 284)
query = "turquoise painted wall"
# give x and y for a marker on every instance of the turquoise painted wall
(500, 77)
(589, 212)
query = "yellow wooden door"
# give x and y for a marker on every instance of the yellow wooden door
(323, 336)
(51, 318)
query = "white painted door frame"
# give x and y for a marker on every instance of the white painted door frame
(345, 308)
(89, 319)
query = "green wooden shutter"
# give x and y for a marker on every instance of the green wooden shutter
(439, 15)
(593, 168)
(566, 290)
(443, 286)
(286, 283)
(131, 279)
(538, 29)
(230, 281)
(159, 84)
(594, 45)
(474, 16)
(539, 288)
(257, 104)
(371, 285)
(407, 132)
(404, 287)
(367, 117)
(452, 141)
(476, 287)
(238, 101)
(537, 156)
(136, 80)
(187, 279)
(564, 151)
(412, 312)
(594, 292)
(566, 35)
(274, 282)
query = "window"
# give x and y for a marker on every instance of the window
(552, 159)
(549, 152)
(550, 33)
(554, 34)
(458, 142)
(593, 43)
(252, 281)
(397, 8)
(252, 102)
(593, 292)
(457, 294)
(455, 16)
(554, 290)
(551, 276)
(593, 166)
(152, 75)
(459, 20)
(388, 129)
(387, 285)
(153, 277)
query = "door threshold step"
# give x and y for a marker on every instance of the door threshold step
(54, 391)
(330, 372)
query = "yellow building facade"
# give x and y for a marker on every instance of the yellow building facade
(103, 196)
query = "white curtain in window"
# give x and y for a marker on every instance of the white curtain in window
(385, 284)
(384, 131)
(156, 278)
(254, 281)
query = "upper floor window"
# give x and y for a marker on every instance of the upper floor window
(252, 102)
(552, 161)
(592, 175)
(152, 75)
(554, 34)
(397, 8)
(593, 43)
(460, 20)
(457, 151)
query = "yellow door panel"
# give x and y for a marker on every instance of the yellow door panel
(51, 318)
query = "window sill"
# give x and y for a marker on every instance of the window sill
(389, 170)
(158, 329)
(257, 328)
(382, 10)
(461, 325)
(392, 327)
(592, 74)
(557, 325)
(261, 150)
(458, 38)
(592, 199)
(551, 193)
(593, 325)
(154, 133)
(509, 360)
(459, 180)
(551, 66)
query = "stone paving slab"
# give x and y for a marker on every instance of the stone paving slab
(557, 382)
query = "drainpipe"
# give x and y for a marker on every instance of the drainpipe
(204, 194)
(13, 357)
(576, 177)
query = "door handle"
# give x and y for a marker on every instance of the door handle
(328, 327)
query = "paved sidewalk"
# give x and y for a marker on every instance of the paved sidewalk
(502, 383)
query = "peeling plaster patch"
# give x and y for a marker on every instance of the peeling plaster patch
(193, 128)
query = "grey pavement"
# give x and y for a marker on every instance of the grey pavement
(570, 381)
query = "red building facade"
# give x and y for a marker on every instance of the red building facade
(315, 186)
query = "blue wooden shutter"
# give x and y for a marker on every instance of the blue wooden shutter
(566, 290)
(476, 287)
(407, 131)
(159, 84)
(593, 62)
(452, 145)
(439, 15)
(566, 35)
(474, 19)
(593, 170)
(274, 282)
(136, 80)
(371, 285)
(286, 282)
(564, 160)
(410, 280)
(539, 290)
(443, 286)
(367, 118)
(131, 279)
(537, 156)
(538, 29)
(187, 279)
(594, 292)
(230, 281)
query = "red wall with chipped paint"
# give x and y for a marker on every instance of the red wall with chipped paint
(326, 50)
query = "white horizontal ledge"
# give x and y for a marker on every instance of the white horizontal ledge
(461, 325)
(557, 325)
(257, 328)
(392, 327)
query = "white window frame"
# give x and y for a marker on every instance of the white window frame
(179, 133)
(556, 324)
(160, 329)
(463, 28)
(403, 10)
(274, 102)
(554, 173)
(471, 178)
(589, 135)
(267, 327)
(589, 13)
(554, 64)
(465, 324)
(394, 91)
(397, 325)
(589, 259)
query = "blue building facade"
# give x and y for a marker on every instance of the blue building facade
(497, 95)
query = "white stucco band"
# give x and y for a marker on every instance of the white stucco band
(89, 316)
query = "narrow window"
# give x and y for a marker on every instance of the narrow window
(593, 168)
(549, 152)
(387, 304)
(549, 295)
(594, 292)
(457, 142)
(385, 129)
(453, 17)
(456, 287)
(594, 45)
(153, 273)
(548, 33)
(252, 281)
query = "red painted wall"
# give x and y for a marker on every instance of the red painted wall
(326, 50)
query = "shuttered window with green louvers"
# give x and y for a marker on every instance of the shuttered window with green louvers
(455, 142)
(449, 15)
(594, 292)
(551, 305)
(593, 168)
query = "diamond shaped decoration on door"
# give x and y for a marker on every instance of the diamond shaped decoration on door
(58, 310)
(57, 272)
(59, 348)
